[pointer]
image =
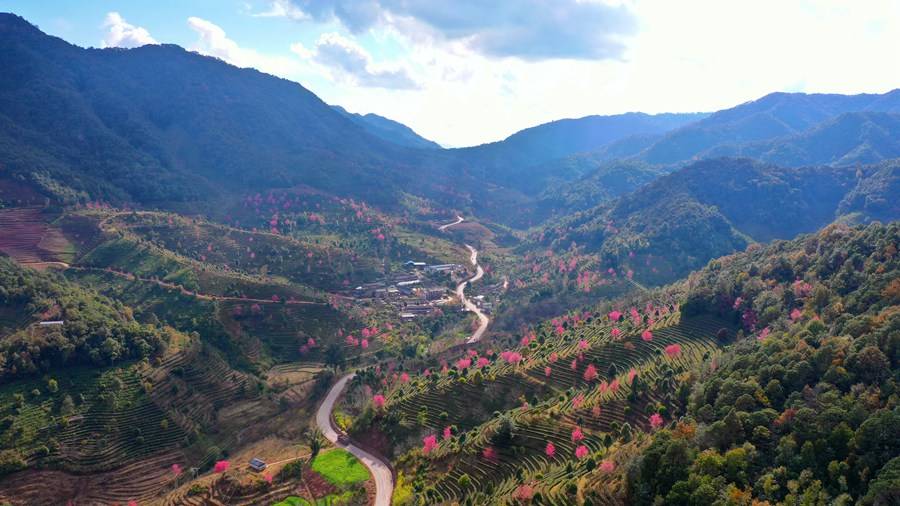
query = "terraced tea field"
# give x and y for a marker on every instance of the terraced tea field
(27, 236)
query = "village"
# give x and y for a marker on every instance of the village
(421, 290)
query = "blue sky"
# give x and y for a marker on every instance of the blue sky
(469, 71)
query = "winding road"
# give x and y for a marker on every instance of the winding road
(461, 288)
(380, 469)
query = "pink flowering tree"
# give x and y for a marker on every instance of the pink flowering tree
(429, 443)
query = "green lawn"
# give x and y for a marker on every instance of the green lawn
(329, 500)
(340, 467)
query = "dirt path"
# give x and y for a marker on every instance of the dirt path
(380, 468)
(443, 228)
(185, 291)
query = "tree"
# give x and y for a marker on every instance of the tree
(885, 488)
(314, 441)
(334, 356)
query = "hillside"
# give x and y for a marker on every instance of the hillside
(771, 117)
(388, 129)
(848, 139)
(714, 207)
(803, 409)
(764, 368)
(158, 124)
(517, 160)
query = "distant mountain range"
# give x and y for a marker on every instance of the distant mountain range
(388, 129)
(163, 127)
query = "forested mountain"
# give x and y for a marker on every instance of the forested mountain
(851, 138)
(773, 116)
(803, 410)
(158, 123)
(521, 160)
(714, 207)
(389, 130)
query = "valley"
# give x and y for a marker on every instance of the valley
(218, 289)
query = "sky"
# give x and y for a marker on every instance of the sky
(466, 72)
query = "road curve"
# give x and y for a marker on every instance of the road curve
(459, 219)
(381, 471)
(461, 288)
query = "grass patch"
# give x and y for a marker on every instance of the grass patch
(328, 500)
(340, 468)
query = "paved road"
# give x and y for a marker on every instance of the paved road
(461, 288)
(381, 472)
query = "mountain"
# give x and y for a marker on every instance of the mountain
(602, 182)
(158, 124)
(714, 207)
(773, 116)
(517, 160)
(388, 129)
(850, 138)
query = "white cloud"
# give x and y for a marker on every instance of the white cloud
(347, 60)
(694, 55)
(214, 41)
(123, 34)
(283, 9)
(529, 29)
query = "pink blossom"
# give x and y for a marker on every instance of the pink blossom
(673, 350)
(615, 315)
(614, 385)
(311, 342)
(132, 503)
(796, 314)
(607, 466)
(631, 375)
(583, 345)
(448, 433)
(577, 401)
(221, 466)
(489, 453)
(656, 421)
(737, 302)
(616, 332)
(581, 452)
(364, 343)
(524, 492)
(463, 363)
(429, 443)
(577, 435)
(404, 378)
(547, 371)
(764, 333)
(378, 401)
(511, 357)
(553, 357)
(574, 365)
(176, 469)
(596, 411)
(590, 373)
(268, 478)
(482, 362)
(550, 449)
(472, 353)
(647, 335)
